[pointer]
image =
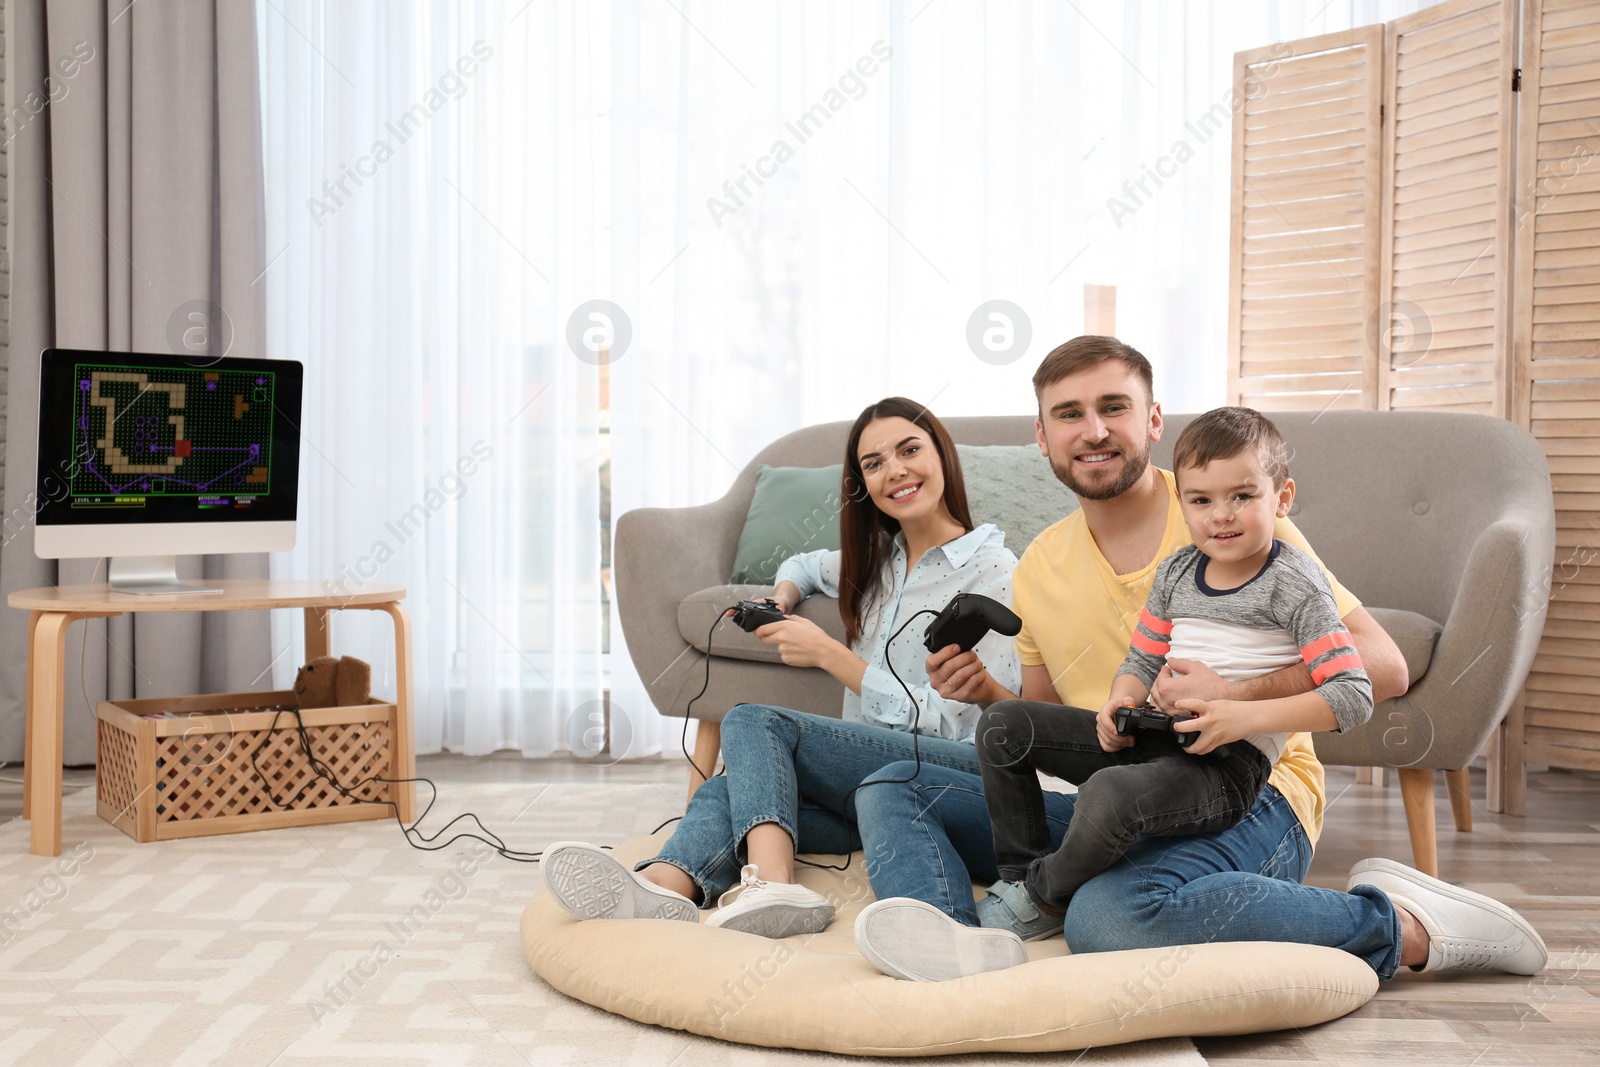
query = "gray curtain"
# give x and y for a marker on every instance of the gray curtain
(136, 203)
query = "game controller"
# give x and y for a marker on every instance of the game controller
(965, 620)
(1150, 717)
(750, 615)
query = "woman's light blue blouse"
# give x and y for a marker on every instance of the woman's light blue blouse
(976, 562)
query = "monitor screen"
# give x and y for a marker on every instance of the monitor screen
(179, 443)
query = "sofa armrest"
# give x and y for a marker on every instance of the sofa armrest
(1489, 641)
(1482, 659)
(662, 555)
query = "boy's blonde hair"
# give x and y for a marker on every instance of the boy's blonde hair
(1223, 433)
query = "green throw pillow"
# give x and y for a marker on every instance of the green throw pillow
(796, 509)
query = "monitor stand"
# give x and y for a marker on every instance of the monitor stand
(152, 575)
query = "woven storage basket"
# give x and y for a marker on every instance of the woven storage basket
(189, 773)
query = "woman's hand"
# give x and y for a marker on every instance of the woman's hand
(1218, 722)
(957, 675)
(787, 597)
(800, 642)
(1105, 724)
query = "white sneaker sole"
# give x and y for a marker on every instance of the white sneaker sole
(593, 885)
(1393, 878)
(916, 941)
(777, 920)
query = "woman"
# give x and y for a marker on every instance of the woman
(908, 545)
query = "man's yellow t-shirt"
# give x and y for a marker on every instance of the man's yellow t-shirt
(1078, 617)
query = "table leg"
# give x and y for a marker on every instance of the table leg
(27, 722)
(47, 671)
(317, 643)
(405, 741)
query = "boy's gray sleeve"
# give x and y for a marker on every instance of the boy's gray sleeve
(1329, 653)
(1152, 634)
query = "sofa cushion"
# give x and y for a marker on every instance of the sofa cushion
(795, 509)
(1415, 635)
(818, 992)
(1013, 487)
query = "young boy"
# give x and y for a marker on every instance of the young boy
(1238, 601)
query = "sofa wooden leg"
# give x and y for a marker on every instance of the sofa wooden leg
(1459, 786)
(1515, 773)
(1416, 787)
(1494, 790)
(707, 747)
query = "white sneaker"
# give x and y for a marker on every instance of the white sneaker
(910, 939)
(1466, 930)
(592, 885)
(771, 909)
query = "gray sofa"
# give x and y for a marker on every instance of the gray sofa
(1442, 524)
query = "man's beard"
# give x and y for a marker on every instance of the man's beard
(1132, 471)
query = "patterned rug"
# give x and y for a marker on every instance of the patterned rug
(329, 945)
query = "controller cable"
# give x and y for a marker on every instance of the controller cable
(916, 747)
(683, 738)
(424, 842)
(414, 836)
(427, 841)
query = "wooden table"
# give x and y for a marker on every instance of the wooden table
(54, 608)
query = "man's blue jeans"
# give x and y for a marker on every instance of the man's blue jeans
(930, 840)
(796, 770)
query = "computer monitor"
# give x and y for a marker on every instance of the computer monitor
(144, 458)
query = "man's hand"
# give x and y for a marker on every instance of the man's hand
(1105, 724)
(800, 642)
(1188, 679)
(958, 675)
(1218, 722)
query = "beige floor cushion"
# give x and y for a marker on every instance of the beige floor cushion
(819, 993)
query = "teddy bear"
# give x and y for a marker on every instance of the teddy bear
(326, 682)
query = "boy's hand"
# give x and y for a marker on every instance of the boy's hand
(1105, 724)
(958, 675)
(1187, 679)
(1218, 722)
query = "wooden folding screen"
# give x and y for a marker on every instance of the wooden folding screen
(1556, 360)
(1305, 222)
(1468, 206)
(1446, 248)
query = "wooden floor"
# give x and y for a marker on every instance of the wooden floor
(1546, 865)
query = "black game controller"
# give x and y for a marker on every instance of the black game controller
(965, 620)
(1150, 717)
(752, 614)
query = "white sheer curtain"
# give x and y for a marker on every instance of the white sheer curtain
(790, 210)
(432, 216)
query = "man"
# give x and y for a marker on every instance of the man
(1079, 589)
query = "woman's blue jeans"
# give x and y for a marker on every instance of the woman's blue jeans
(930, 840)
(795, 770)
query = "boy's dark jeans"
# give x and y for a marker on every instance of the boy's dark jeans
(1155, 788)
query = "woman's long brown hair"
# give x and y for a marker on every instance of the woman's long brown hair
(866, 534)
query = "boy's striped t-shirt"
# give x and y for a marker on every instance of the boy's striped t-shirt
(1284, 615)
